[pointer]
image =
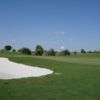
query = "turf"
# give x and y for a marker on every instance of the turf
(71, 80)
(80, 59)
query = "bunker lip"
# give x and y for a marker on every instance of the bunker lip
(12, 70)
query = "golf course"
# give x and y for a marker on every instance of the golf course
(75, 77)
(49, 49)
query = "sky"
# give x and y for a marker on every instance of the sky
(58, 24)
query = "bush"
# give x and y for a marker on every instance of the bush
(64, 53)
(13, 50)
(25, 51)
(75, 52)
(51, 52)
(90, 52)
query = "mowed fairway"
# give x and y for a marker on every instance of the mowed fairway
(75, 78)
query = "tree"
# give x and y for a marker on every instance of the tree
(83, 51)
(51, 52)
(90, 52)
(75, 52)
(64, 52)
(25, 51)
(14, 50)
(7, 47)
(39, 50)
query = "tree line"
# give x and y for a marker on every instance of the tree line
(39, 51)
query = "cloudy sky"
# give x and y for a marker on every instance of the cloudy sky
(58, 24)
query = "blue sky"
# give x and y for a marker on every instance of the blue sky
(58, 24)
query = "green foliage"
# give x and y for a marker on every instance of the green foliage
(8, 47)
(39, 50)
(96, 51)
(25, 51)
(75, 52)
(51, 52)
(64, 53)
(83, 51)
(14, 50)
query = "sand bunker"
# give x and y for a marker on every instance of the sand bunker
(11, 70)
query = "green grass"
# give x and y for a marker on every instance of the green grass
(86, 59)
(74, 79)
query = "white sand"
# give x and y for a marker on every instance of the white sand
(11, 70)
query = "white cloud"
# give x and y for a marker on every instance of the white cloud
(62, 47)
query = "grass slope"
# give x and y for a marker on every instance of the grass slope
(71, 80)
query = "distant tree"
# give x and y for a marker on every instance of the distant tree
(39, 50)
(89, 52)
(65, 52)
(51, 52)
(8, 47)
(83, 51)
(25, 51)
(75, 52)
(14, 50)
(2, 49)
(96, 51)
